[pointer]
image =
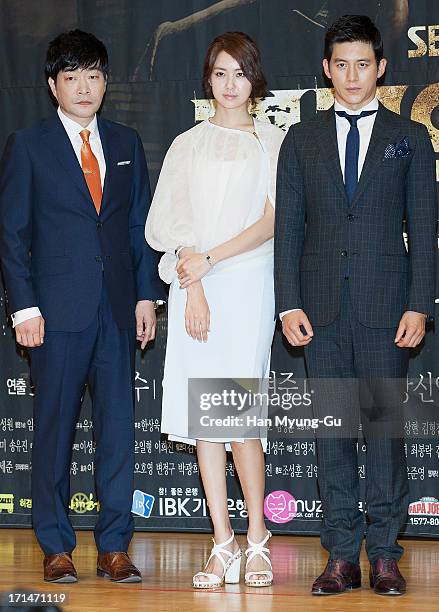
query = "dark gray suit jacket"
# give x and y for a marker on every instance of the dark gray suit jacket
(320, 239)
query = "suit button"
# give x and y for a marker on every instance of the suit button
(99, 225)
(351, 217)
(98, 258)
(344, 253)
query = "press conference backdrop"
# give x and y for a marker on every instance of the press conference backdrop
(156, 52)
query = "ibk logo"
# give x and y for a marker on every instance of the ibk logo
(142, 504)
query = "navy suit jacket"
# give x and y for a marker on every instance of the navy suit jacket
(321, 238)
(56, 251)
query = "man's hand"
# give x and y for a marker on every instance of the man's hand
(411, 329)
(291, 323)
(30, 333)
(146, 322)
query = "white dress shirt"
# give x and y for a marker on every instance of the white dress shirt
(342, 125)
(73, 129)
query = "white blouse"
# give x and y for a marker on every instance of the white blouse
(214, 183)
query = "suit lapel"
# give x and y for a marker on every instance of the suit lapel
(60, 147)
(109, 139)
(383, 132)
(328, 143)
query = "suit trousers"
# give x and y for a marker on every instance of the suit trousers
(101, 356)
(362, 372)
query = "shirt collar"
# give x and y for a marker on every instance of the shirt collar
(73, 129)
(373, 105)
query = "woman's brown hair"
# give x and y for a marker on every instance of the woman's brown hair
(245, 51)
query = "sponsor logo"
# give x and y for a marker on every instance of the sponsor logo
(280, 507)
(142, 504)
(81, 503)
(426, 506)
(7, 502)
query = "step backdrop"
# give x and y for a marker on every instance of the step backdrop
(156, 52)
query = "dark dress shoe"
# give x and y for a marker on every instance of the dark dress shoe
(59, 568)
(338, 577)
(385, 577)
(118, 567)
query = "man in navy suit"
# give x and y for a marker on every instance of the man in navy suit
(350, 293)
(81, 285)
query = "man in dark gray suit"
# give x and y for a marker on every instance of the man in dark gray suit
(348, 291)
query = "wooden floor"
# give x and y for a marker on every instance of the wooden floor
(168, 560)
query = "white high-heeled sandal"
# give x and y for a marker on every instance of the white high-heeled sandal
(231, 567)
(250, 553)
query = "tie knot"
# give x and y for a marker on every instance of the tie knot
(85, 135)
(354, 118)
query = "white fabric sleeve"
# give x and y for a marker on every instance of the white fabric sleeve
(167, 265)
(170, 222)
(285, 312)
(24, 315)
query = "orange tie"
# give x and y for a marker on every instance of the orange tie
(90, 168)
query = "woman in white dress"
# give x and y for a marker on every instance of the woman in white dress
(213, 216)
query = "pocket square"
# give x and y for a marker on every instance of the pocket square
(124, 163)
(399, 149)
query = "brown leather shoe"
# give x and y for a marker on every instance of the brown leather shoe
(337, 577)
(59, 568)
(385, 577)
(118, 567)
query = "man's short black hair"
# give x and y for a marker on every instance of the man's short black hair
(354, 28)
(73, 50)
